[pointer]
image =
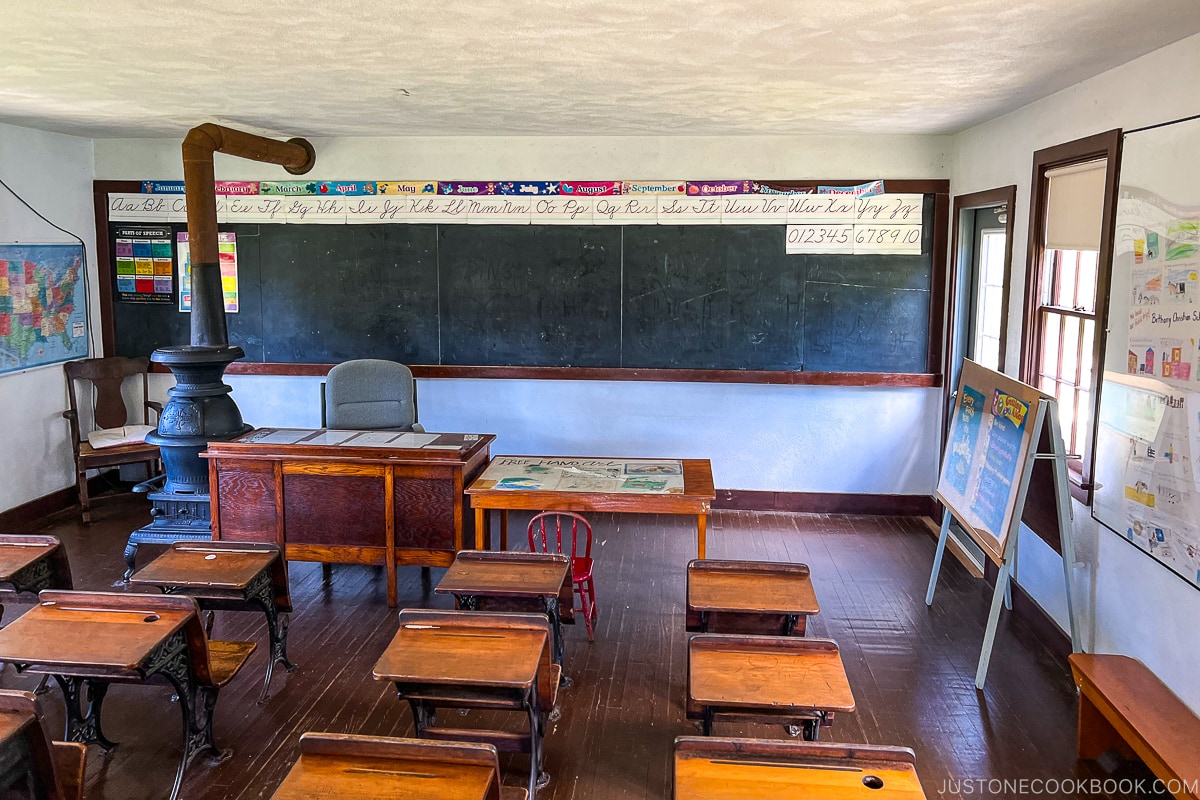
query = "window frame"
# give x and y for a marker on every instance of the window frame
(1107, 146)
(960, 254)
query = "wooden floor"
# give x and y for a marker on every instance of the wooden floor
(911, 668)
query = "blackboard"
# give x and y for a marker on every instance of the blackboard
(695, 297)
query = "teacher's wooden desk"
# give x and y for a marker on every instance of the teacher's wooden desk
(347, 497)
(543, 483)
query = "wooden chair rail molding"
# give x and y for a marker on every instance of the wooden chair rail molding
(779, 378)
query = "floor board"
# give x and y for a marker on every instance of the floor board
(911, 667)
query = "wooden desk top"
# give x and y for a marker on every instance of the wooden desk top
(747, 769)
(464, 652)
(331, 777)
(695, 498)
(505, 574)
(221, 565)
(18, 552)
(350, 444)
(767, 671)
(81, 635)
(750, 586)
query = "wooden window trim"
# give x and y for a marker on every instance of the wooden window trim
(969, 202)
(1105, 145)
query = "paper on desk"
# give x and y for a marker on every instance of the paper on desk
(416, 439)
(329, 437)
(374, 438)
(281, 436)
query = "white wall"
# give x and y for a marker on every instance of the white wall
(53, 173)
(811, 439)
(1131, 604)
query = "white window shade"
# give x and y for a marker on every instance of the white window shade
(1075, 206)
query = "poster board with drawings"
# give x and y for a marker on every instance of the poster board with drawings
(1147, 468)
(991, 433)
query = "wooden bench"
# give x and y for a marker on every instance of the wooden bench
(1123, 706)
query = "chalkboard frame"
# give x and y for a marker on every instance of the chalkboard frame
(937, 309)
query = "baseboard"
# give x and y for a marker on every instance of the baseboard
(33, 513)
(902, 505)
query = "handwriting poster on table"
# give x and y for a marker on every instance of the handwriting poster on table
(520, 473)
(991, 433)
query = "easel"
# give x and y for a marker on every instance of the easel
(1047, 413)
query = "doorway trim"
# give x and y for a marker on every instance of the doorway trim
(963, 203)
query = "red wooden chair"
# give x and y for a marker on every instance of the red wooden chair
(546, 536)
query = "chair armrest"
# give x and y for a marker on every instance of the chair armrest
(418, 427)
(154, 405)
(73, 418)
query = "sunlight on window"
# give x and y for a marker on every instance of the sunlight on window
(990, 294)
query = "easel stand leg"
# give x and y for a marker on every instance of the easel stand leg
(989, 637)
(937, 557)
(1066, 531)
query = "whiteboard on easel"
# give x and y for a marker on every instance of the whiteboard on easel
(991, 433)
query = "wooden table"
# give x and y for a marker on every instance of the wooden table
(484, 580)
(334, 766)
(229, 576)
(347, 497)
(33, 563)
(90, 640)
(795, 681)
(695, 497)
(462, 659)
(754, 769)
(749, 597)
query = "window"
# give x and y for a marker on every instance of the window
(1067, 341)
(1070, 243)
(989, 314)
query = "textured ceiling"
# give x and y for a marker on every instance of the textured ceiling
(597, 67)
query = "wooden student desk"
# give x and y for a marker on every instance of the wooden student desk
(756, 769)
(787, 680)
(347, 497)
(463, 659)
(335, 765)
(485, 580)
(229, 576)
(89, 640)
(32, 563)
(593, 490)
(749, 597)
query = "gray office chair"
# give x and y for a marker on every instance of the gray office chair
(370, 394)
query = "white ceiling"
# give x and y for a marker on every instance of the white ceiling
(558, 67)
